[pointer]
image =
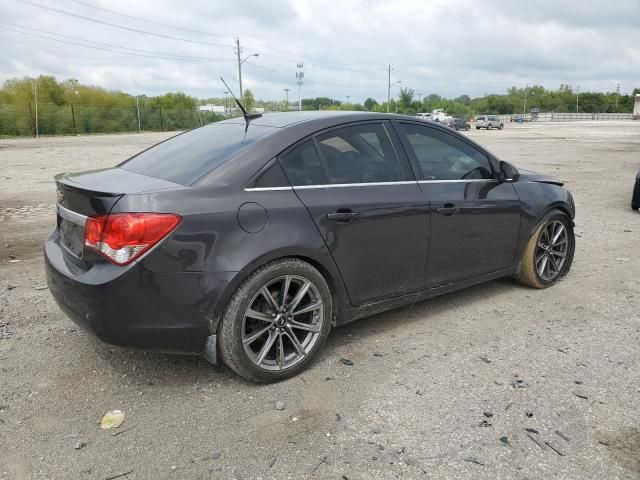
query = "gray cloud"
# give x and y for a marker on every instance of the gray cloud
(445, 47)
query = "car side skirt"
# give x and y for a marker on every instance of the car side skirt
(355, 313)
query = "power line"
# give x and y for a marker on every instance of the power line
(342, 66)
(154, 52)
(115, 25)
(92, 46)
(140, 19)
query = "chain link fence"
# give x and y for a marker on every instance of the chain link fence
(24, 120)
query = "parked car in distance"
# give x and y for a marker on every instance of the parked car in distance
(457, 124)
(635, 197)
(489, 122)
(248, 242)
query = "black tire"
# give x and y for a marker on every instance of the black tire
(477, 128)
(501, 126)
(230, 329)
(489, 127)
(529, 273)
(635, 198)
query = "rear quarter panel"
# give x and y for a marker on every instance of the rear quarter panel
(210, 238)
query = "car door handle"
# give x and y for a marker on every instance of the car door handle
(448, 210)
(343, 216)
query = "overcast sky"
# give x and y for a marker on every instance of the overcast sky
(436, 46)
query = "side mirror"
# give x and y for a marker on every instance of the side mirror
(508, 173)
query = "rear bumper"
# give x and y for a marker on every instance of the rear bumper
(132, 307)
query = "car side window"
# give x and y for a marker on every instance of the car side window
(441, 156)
(302, 165)
(358, 154)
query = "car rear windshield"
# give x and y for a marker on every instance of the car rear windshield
(187, 157)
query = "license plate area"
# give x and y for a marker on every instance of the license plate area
(71, 231)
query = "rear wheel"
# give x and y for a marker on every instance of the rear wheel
(489, 127)
(501, 126)
(549, 252)
(276, 322)
(477, 128)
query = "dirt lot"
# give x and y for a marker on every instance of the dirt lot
(497, 381)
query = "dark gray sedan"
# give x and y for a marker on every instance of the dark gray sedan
(248, 242)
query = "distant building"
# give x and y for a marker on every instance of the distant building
(636, 108)
(212, 108)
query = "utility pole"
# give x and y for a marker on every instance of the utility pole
(419, 97)
(617, 95)
(348, 97)
(524, 107)
(226, 104)
(35, 94)
(389, 84)
(577, 97)
(388, 88)
(238, 52)
(138, 110)
(74, 87)
(286, 91)
(300, 79)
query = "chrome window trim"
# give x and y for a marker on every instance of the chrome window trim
(343, 185)
(72, 216)
(266, 189)
(471, 180)
(372, 184)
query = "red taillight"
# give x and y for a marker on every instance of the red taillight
(123, 237)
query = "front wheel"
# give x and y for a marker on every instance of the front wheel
(635, 199)
(549, 252)
(501, 126)
(276, 322)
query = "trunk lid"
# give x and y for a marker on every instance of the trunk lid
(95, 192)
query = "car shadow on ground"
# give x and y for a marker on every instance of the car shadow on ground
(179, 370)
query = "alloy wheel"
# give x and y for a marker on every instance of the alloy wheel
(551, 250)
(282, 323)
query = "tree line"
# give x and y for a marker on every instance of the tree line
(67, 107)
(515, 101)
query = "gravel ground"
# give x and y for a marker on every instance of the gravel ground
(496, 381)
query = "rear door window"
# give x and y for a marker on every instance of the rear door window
(356, 154)
(359, 154)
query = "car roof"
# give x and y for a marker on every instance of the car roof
(285, 119)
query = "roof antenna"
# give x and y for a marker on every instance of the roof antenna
(247, 116)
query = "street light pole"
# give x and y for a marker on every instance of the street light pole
(348, 97)
(524, 107)
(286, 91)
(226, 104)
(240, 62)
(577, 97)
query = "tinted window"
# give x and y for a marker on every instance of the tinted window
(441, 156)
(358, 154)
(302, 165)
(273, 176)
(186, 157)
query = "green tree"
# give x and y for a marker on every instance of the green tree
(370, 103)
(248, 100)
